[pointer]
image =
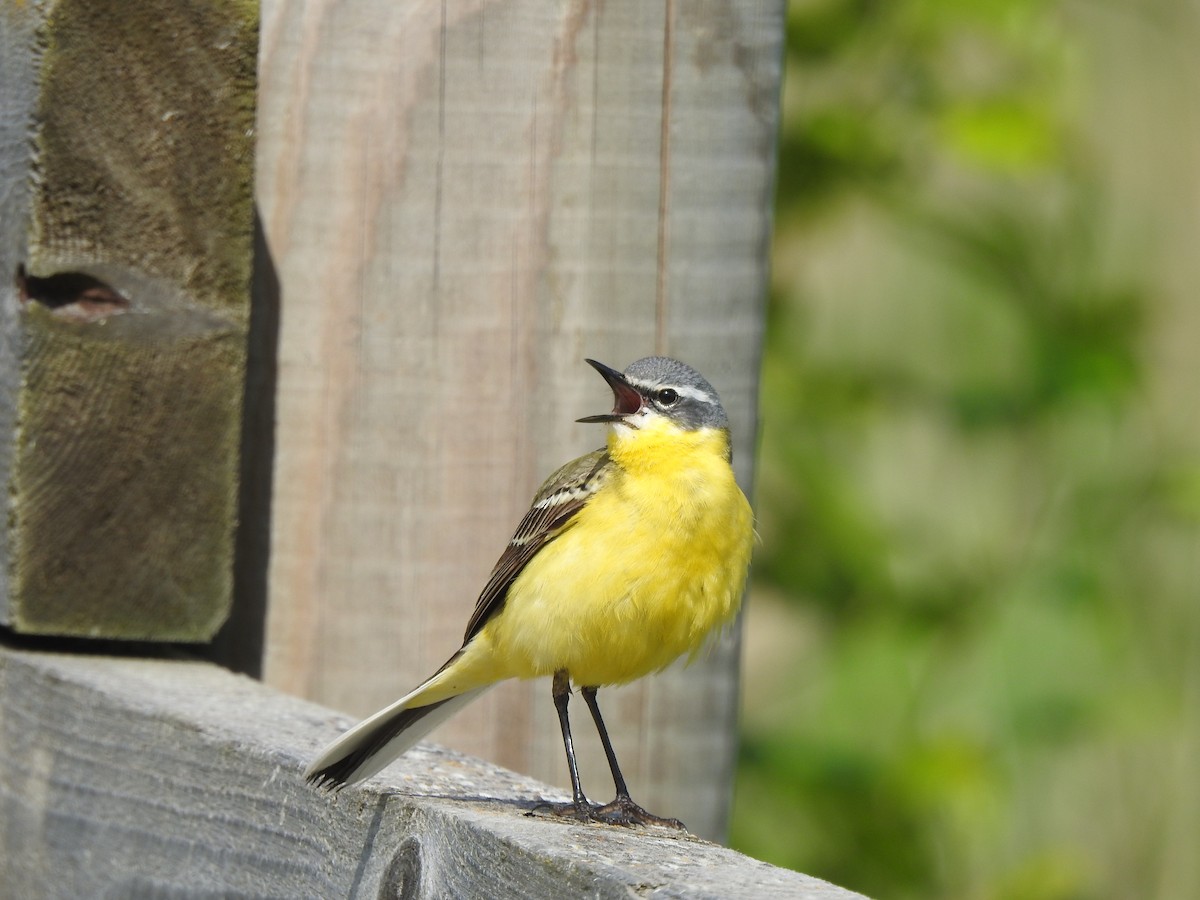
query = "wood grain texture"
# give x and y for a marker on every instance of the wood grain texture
(126, 162)
(139, 777)
(462, 200)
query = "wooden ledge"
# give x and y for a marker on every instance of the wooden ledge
(130, 776)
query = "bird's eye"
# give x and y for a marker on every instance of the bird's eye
(667, 397)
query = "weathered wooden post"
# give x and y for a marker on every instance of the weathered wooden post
(462, 200)
(126, 158)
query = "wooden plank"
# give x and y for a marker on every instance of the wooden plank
(462, 200)
(126, 161)
(138, 777)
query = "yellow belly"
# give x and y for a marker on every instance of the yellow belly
(648, 569)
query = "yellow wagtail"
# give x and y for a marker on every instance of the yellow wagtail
(627, 558)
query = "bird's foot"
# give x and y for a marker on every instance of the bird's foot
(621, 811)
(580, 810)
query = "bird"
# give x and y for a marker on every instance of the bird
(628, 558)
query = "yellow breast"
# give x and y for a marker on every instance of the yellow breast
(645, 572)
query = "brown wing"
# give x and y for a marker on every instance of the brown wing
(557, 501)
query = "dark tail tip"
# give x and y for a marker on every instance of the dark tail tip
(334, 776)
(344, 770)
(325, 783)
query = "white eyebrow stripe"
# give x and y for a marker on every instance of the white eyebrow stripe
(694, 393)
(683, 390)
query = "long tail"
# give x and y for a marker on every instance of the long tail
(374, 742)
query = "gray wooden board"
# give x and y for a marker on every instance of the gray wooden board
(129, 777)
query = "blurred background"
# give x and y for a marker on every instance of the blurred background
(972, 657)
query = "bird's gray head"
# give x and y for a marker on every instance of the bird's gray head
(663, 386)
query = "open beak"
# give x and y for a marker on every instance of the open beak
(626, 399)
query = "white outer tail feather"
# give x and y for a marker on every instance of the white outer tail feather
(364, 731)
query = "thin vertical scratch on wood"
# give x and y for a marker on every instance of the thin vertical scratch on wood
(664, 182)
(480, 35)
(535, 223)
(595, 93)
(441, 155)
(514, 305)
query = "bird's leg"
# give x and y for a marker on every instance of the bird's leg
(562, 696)
(579, 807)
(622, 811)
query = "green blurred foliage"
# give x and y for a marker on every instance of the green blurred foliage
(979, 494)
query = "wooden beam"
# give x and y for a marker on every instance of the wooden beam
(130, 777)
(126, 162)
(462, 200)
